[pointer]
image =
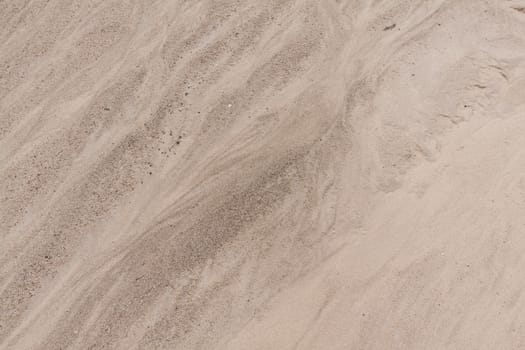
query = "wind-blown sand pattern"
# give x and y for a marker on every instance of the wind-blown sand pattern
(220, 174)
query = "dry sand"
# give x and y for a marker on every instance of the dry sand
(280, 174)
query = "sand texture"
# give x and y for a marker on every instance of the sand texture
(252, 175)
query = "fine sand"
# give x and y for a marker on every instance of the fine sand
(249, 174)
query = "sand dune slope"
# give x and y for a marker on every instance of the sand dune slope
(226, 174)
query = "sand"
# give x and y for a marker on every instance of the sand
(221, 174)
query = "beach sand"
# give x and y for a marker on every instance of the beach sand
(281, 174)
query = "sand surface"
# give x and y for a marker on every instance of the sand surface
(249, 174)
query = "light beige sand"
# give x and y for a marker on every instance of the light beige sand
(220, 174)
